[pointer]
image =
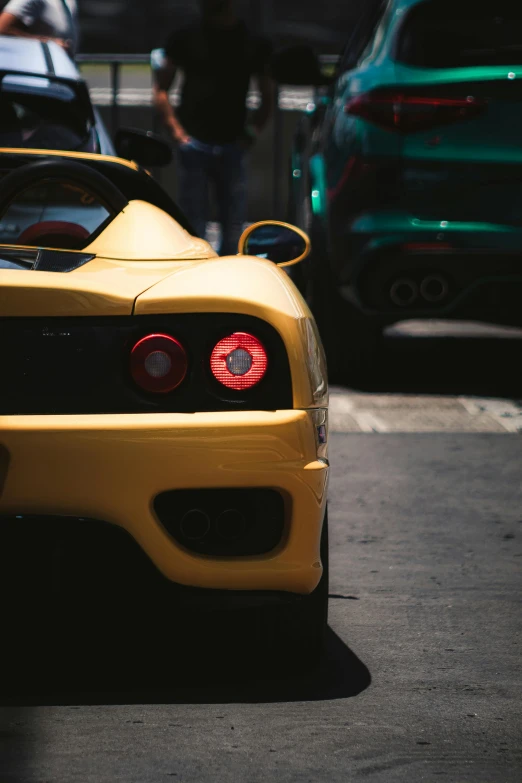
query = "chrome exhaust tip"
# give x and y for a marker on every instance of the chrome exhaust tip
(195, 525)
(434, 288)
(404, 292)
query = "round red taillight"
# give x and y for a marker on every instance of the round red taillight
(239, 361)
(158, 363)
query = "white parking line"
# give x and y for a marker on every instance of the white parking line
(386, 413)
(507, 413)
(368, 422)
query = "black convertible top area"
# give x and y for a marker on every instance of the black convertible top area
(135, 184)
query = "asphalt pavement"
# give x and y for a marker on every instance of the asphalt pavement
(421, 677)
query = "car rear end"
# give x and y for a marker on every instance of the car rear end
(435, 187)
(197, 430)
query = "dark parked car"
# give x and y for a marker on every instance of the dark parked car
(45, 104)
(408, 174)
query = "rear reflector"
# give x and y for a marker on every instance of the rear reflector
(239, 361)
(410, 113)
(158, 363)
(426, 246)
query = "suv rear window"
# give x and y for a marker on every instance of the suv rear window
(462, 34)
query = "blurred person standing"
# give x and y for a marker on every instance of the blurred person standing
(218, 56)
(47, 20)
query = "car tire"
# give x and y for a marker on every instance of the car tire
(300, 627)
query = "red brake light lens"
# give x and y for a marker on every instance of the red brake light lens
(158, 363)
(239, 361)
(409, 113)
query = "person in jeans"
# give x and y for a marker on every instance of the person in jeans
(47, 20)
(218, 56)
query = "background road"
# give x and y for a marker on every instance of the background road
(421, 680)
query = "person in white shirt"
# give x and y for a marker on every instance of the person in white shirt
(48, 20)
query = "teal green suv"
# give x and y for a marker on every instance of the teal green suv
(407, 171)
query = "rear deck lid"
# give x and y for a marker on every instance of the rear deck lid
(77, 284)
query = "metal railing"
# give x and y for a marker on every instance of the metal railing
(115, 62)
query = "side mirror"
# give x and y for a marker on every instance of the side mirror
(298, 65)
(281, 243)
(144, 147)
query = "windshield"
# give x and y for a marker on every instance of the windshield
(53, 214)
(37, 113)
(462, 34)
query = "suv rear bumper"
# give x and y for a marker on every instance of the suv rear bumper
(479, 266)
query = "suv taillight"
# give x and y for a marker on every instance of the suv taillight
(409, 113)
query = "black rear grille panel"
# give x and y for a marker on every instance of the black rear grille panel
(80, 583)
(93, 558)
(82, 365)
(228, 523)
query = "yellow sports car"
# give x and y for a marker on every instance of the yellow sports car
(152, 387)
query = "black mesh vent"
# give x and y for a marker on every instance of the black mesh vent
(59, 261)
(43, 260)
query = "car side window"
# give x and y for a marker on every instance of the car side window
(363, 36)
(54, 214)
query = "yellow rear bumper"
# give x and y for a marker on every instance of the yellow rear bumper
(111, 468)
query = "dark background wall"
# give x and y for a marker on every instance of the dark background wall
(132, 26)
(137, 26)
(140, 25)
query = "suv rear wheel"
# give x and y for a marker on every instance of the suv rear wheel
(351, 340)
